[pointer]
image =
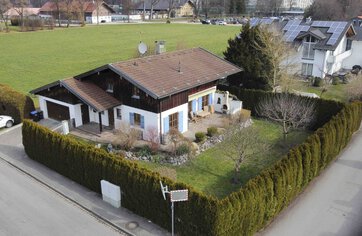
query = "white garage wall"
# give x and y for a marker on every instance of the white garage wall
(74, 110)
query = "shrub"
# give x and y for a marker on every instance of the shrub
(15, 104)
(87, 166)
(336, 80)
(200, 137)
(126, 136)
(183, 149)
(145, 150)
(212, 131)
(318, 82)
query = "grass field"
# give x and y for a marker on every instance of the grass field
(32, 59)
(211, 171)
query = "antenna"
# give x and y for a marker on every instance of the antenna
(142, 48)
(179, 66)
(164, 190)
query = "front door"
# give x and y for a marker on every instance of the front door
(111, 117)
(85, 114)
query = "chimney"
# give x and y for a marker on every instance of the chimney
(160, 46)
(308, 20)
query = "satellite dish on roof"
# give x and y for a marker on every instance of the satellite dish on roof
(142, 48)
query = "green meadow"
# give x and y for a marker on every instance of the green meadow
(32, 59)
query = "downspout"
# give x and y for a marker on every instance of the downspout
(161, 122)
(100, 122)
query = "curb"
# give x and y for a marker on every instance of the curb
(7, 130)
(3, 157)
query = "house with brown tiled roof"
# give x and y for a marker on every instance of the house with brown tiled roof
(156, 92)
(89, 10)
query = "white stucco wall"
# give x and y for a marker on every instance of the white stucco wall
(184, 109)
(233, 106)
(93, 19)
(319, 63)
(356, 56)
(151, 120)
(94, 117)
(74, 110)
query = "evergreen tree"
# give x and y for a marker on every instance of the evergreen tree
(256, 65)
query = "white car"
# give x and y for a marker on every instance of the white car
(6, 121)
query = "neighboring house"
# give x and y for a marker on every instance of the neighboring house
(26, 11)
(154, 92)
(322, 46)
(89, 10)
(181, 8)
(356, 57)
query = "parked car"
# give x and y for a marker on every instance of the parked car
(221, 22)
(205, 22)
(6, 121)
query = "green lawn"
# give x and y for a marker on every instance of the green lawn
(32, 59)
(334, 92)
(211, 171)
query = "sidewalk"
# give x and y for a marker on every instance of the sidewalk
(12, 151)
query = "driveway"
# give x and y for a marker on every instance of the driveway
(331, 205)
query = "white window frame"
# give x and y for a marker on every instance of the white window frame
(307, 69)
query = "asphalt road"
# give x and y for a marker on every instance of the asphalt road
(331, 205)
(29, 208)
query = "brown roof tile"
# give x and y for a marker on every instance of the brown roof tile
(90, 94)
(169, 73)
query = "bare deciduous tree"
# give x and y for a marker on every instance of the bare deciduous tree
(5, 5)
(79, 9)
(126, 136)
(175, 137)
(289, 110)
(354, 89)
(19, 6)
(241, 144)
(153, 4)
(152, 135)
(272, 44)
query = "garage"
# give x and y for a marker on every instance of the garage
(57, 112)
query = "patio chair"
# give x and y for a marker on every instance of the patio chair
(206, 110)
(193, 117)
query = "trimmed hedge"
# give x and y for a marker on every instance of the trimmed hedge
(262, 198)
(87, 166)
(325, 109)
(241, 213)
(15, 104)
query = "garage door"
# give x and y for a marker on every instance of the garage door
(57, 112)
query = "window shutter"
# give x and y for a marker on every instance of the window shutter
(211, 100)
(166, 125)
(131, 118)
(180, 121)
(142, 122)
(194, 105)
(200, 104)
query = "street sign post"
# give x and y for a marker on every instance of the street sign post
(175, 196)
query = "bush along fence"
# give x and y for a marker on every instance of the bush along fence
(15, 104)
(325, 109)
(140, 187)
(241, 213)
(262, 198)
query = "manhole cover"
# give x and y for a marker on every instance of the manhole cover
(131, 225)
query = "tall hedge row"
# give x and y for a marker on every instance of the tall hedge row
(325, 109)
(15, 104)
(241, 213)
(87, 166)
(262, 198)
